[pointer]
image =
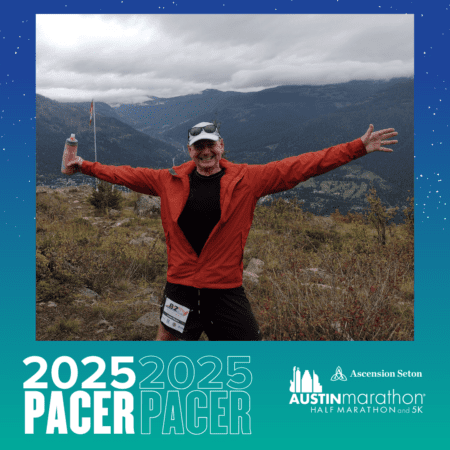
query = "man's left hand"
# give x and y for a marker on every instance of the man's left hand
(374, 141)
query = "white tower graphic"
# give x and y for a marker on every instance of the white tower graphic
(304, 384)
(317, 387)
(296, 381)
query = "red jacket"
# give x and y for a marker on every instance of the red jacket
(220, 263)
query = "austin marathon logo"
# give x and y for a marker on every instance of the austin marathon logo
(306, 390)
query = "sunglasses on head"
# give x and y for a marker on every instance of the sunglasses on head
(195, 131)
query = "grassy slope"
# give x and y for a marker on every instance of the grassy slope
(363, 291)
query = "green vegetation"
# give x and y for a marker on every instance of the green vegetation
(106, 197)
(362, 287)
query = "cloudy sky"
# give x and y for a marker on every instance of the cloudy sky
(129, 58)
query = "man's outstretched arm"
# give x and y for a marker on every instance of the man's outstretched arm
(143, 180)
(285, 174)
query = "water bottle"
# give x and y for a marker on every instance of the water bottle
(70, 153)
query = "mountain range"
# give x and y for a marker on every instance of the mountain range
(117, 142)
(257, 128)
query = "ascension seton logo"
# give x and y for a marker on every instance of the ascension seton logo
(338, 376)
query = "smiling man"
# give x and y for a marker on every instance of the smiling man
(207, 207)
(205, 148)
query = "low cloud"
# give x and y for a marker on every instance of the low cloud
(129, 58)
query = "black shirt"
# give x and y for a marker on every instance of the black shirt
(202, 210)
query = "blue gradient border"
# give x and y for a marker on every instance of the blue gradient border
(273, 420)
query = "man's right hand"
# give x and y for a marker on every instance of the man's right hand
(75, 164)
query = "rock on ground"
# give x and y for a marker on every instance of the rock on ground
(146, 206)
(151, 319)
(316, 273)
(255, 266)
(253, 270)
(143, 239)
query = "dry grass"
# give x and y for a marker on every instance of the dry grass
(363, 291)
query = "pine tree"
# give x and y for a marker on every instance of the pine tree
(409, 215)
(378, 215)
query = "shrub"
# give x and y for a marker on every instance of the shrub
(51, 206)
(53, 281)
(337, 216)
(62, 325)
(105, 197)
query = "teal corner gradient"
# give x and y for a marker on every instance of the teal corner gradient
(274, 421)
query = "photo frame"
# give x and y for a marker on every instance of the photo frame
(138, 394)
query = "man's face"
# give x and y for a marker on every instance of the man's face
(206, 154)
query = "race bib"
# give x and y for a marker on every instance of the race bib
(174, 315)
